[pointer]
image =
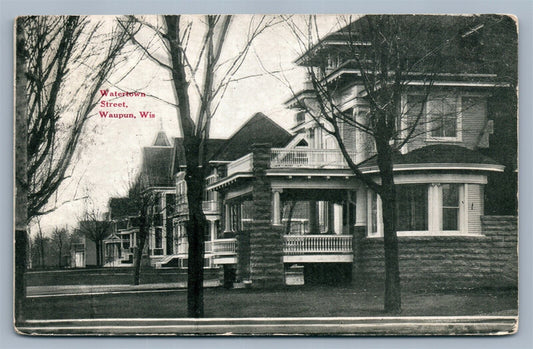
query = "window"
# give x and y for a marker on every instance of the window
(423, 209)
(412, 208)
(374, 214)
(300, 117)
(443, 118)
(158, 238)
(450, 207)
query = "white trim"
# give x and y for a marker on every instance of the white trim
(431, 233)
(439, 166)
(459, 83)
(457, 100)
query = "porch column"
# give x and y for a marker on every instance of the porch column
(276, 207)
(227, 226)
(337, 218)
(360, 208)
(212, 230)
(330, 218)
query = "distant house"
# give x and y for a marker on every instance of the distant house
(82, 252)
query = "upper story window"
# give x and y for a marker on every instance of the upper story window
(443, 118)
(300, 117)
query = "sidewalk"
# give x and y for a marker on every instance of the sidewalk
(67, 290)
(374, 326)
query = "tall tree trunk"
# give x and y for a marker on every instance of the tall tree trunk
(59, 255)
(138, 253)
(196, 227)
(21, 179)
(390, 239)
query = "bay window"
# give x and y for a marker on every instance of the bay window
(412, 207)
(422, 209)
(450, 207)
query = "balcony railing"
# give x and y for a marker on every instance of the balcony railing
(243, 164)
(211, 179)
(314, 244)
(207, 206)
(210, 206)
(224, 247)
(308, 158)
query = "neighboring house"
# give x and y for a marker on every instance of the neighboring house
(82, 252)
(441, 175)
(259, 128)
(119, 245)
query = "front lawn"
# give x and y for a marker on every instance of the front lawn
(316, 301)
(108, 276)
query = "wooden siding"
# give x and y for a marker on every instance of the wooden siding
(475, 208)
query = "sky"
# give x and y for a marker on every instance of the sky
(110, 152)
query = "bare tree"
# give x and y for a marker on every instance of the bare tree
(53, 106)
(96, 228)
(143, 202)
(60, 239)
(208, 74)
(387, 54)
(40, 245)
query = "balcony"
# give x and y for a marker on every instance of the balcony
(308, 158)
(210, 206)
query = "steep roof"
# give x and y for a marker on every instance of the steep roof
(161, 140)
(156, 168)
(258, 129)
(121, 207)
(437, 154)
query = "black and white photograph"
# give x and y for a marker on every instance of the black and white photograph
(266, 175)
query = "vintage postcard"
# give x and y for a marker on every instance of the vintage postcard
(266, 175)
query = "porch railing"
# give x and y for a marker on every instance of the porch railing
(243, 164)
(308, 158)
(224, 246)
(183, 247)
(304, 244)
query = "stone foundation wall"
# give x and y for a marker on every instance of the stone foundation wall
(447, 262)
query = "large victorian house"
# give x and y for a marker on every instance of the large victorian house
(285, 208)
(299, 214)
